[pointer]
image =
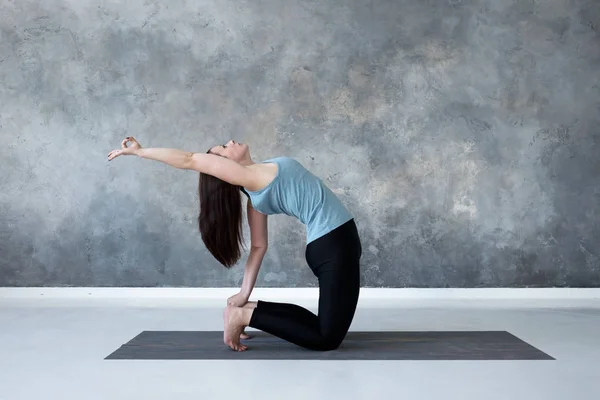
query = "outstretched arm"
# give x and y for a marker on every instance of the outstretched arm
(259, 244)
(219, 167)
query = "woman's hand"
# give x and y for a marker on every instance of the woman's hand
(238, 300)
(131, 150)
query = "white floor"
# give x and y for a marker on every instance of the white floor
(54, 348)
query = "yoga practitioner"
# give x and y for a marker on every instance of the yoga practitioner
(275, 186)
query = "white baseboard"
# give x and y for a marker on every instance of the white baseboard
(300, 293)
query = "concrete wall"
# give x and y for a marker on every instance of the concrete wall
(462, 134)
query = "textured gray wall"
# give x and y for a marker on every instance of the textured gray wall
(463, 135)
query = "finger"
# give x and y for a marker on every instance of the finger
(114, 155)
(124, 143)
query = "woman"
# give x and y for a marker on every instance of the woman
(275, 186)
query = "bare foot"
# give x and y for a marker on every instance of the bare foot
(250, 304)
(245, 336)
(233, 322)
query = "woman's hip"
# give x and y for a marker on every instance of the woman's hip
(340, 246)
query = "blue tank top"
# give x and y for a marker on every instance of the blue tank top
(296, 192)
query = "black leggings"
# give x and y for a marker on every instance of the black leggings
(335, 260)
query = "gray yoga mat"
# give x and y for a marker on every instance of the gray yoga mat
(432, 345)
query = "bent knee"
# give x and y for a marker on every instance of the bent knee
(329, 346)
(329, 342)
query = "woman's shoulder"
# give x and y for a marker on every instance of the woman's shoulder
(264, 173)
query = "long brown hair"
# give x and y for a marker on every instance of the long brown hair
(220, 218)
